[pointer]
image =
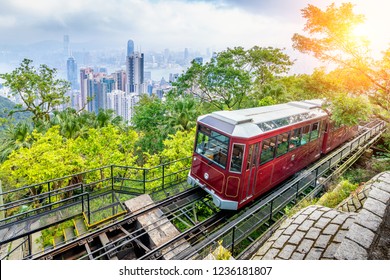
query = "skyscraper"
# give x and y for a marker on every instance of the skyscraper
(120, 80)
(130, 47)
(66, 45)
(71, 67)
(85, 75)
(135, 72)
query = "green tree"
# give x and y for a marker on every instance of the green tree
(53, 156)
(107, 117)
(182, 113)
(221, 82)
(49, 157)
(349, 111)
(330, 38)
(150, 120)
(107, 145)
(266, 64)
(236, 78)
(40, 91)
(13, 138)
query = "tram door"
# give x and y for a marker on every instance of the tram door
(251, 172)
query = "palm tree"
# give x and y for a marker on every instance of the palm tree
(14, 138)
(106, 117)
(183, 113)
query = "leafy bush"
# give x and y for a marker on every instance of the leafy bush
(338, 194)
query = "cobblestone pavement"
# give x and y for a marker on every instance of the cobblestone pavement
(318, 232)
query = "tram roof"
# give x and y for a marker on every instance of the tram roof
(254, 121)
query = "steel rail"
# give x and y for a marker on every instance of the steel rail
(113, 246)
(125, 219)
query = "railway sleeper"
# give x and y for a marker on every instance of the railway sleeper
(136, 240)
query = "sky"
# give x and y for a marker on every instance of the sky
(174, 24)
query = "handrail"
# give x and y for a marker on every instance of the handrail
(14, 249)
(39, 208)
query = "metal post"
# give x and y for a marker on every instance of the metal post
(296, 194)
(82, 199)
(270, 213)
(144, 180)
(2, 212)
(29, 245)
(315, 180)
(163, 174)
(112, 178)
(89, 210)
(48, 189)
(233, 237)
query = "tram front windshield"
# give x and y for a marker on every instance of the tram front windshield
(212, 145)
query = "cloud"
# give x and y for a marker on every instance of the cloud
(156, 24)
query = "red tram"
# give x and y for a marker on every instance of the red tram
(239, 155)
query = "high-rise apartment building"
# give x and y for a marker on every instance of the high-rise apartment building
(135, 73)
(86, 74)
(120, 80)
(122, 103)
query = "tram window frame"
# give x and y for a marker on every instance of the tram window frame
(235, 158)
(311, 131)
(249, 158)
(284, 140)
(305, 136)
(295, 139)
(212, 145)
(270, 144)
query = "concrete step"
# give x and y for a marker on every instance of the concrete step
(69, 233)
(80, 226)
(58, 240)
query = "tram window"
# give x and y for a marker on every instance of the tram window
(282, 144)
(314, 131)
(236, 160)
(268, 150)
(295, 139)
(305, 134)
(212, 145)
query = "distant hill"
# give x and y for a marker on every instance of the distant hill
(6, 106)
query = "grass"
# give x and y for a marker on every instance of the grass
(290, 210)
(361, 172)
(334, 197)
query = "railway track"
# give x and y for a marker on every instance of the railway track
(124, 225)
(124, 239)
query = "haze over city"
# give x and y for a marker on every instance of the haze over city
(156, 25)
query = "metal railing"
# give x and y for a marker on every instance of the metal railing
(84, 193)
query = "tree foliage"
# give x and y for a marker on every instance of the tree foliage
(230, 80)
(39, 89)
(52, 156)
(155, 119)
(349, 111)
(330, 38)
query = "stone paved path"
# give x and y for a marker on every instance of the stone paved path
(318, 232)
